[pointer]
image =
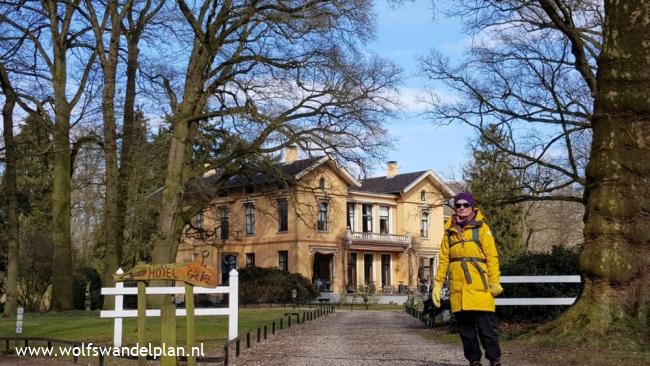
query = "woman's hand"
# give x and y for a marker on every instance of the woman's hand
(496, 289)
(436, 293)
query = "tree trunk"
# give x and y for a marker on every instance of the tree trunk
(113, 233)
(169, 227)
(62, 187)
(11, 192)
(61, 198)
(616, 254)
(171, 195)
(128, 131)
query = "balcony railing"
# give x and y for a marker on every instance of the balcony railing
(380, 238)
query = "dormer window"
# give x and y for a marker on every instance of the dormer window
(321, 183)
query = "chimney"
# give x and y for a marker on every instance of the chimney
(392, 169)
(291, 154)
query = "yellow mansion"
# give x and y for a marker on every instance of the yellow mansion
(338, 231)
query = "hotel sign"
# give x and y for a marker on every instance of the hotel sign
(195, 273)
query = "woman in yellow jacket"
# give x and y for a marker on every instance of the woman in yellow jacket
(470, 256)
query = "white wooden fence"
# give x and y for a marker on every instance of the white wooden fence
(232, 311)
(537, 300)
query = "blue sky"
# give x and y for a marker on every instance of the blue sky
(403, 34)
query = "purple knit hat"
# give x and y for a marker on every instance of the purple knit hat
(465, 196)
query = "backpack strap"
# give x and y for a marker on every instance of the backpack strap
(475, 238)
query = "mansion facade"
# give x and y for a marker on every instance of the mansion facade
(337, 231)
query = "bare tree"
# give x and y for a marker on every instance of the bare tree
(262, 75)
(531, 72)
(109, 21)
(11, 191)
(616, 255)
(53, 70)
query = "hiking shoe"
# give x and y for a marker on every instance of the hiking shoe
(475, 363)
(495, 363)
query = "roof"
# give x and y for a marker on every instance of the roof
(297, 169)
(383, 184)
(401, 183)
(290, 171)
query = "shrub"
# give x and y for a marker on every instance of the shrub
(560, 261)
(270, 285)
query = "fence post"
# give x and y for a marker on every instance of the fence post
(233, 304)
(142, 316)
(119, 306)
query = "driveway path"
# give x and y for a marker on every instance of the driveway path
(348, 338)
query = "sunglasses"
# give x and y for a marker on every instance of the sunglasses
(459, 205)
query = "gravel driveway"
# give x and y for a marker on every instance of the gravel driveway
(348, 338)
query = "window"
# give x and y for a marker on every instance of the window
(249, 209)
(321, 183)
(366, 214)
(424, 225)
(283, 260)
(198, 220)
(224, 218)
(425, 269)
(228, 263)
(385, 270)
(322, 216)
(350, 222)
(250, 259)
(283, 215)
(383, 220)
(423, 195)
(367, 268)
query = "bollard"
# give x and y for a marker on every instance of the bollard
(258, 335)
(237, 348)
(225, 355)
(265, 331)
(248, 340)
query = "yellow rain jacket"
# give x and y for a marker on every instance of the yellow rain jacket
(472, 267)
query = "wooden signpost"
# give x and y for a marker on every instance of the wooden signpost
(196, 273)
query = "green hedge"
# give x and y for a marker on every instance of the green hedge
(560, 261)
(269, 285)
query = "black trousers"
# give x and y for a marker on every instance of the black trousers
(475, 325)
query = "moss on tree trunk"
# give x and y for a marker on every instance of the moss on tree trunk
(616, 254)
